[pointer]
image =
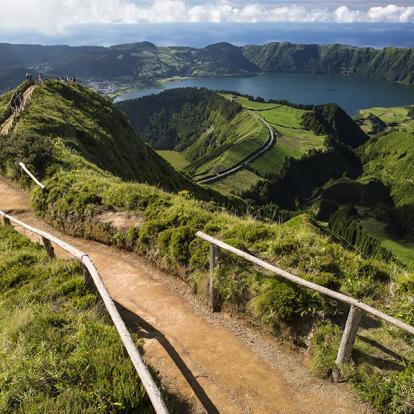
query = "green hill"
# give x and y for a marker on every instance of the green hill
(144, 62)
(61, 137)
(392, 64)
(211, 132)
(72, 127)
(389, 156)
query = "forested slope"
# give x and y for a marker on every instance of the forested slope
(392, 64)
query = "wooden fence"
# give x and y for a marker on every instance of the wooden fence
(356, 307)
(48, 241)
(356, 311)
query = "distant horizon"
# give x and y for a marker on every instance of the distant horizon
(376, 36)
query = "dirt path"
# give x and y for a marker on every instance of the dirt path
(8, 124)
(213, 363)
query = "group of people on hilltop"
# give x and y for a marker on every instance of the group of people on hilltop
(29, 77)
(41, 78)
(67, 79)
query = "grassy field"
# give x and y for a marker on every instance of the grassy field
(251, 134)
(59, 352)
(293, 141)
(390, 156)
(176, 159)
(236, 183)
(403, 251)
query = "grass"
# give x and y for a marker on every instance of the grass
(236, 183)
(293, 140)
(59, 353)
(77, 195)
(382, 375)
(176, 159)
(403, 251)
(250, 134)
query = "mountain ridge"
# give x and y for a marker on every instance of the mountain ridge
(146, 62)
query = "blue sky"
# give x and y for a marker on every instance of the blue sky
(198, 22)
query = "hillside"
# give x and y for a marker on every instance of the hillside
(392, 64)
(389, 156)
(163, 225)
(204, 133)
(210, 132)
(72, 127)
(144, 62)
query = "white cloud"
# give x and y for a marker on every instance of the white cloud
(57, 16)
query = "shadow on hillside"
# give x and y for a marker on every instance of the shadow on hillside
(146, 330)
(397, 364)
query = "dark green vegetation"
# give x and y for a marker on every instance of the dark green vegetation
(389, 156)
(59, 353)
(211, 132)
(216, 131)
(292, 186)
(78, 192)
(71, 127)
(392, 64)
(146, 62)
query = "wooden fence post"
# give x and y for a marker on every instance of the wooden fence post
(212, 293)
(89, 283)
(348, 339)
(48, 247)
(6, 221)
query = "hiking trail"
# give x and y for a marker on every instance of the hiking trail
(8, 124)
(211, 362)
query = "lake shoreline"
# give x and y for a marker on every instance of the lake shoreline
(349, 92)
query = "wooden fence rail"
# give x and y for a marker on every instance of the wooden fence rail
(26, 170)
(142, 370)
(356, 307)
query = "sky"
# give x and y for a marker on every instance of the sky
(199, 22)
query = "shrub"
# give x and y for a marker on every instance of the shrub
(324, 347)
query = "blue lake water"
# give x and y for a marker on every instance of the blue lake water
(351, 93)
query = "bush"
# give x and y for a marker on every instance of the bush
(391, 395)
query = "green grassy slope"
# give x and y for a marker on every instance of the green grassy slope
(209, 131)
(389, 156)
(73, 127)
(293, 139)
(59, 353)
(175, 158)
(78, 194)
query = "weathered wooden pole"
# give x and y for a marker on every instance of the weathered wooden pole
(6, 221)
(48, 247)
(89, 283)
(212, 292)
(348, 339)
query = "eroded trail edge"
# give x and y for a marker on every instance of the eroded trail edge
(211, 362)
